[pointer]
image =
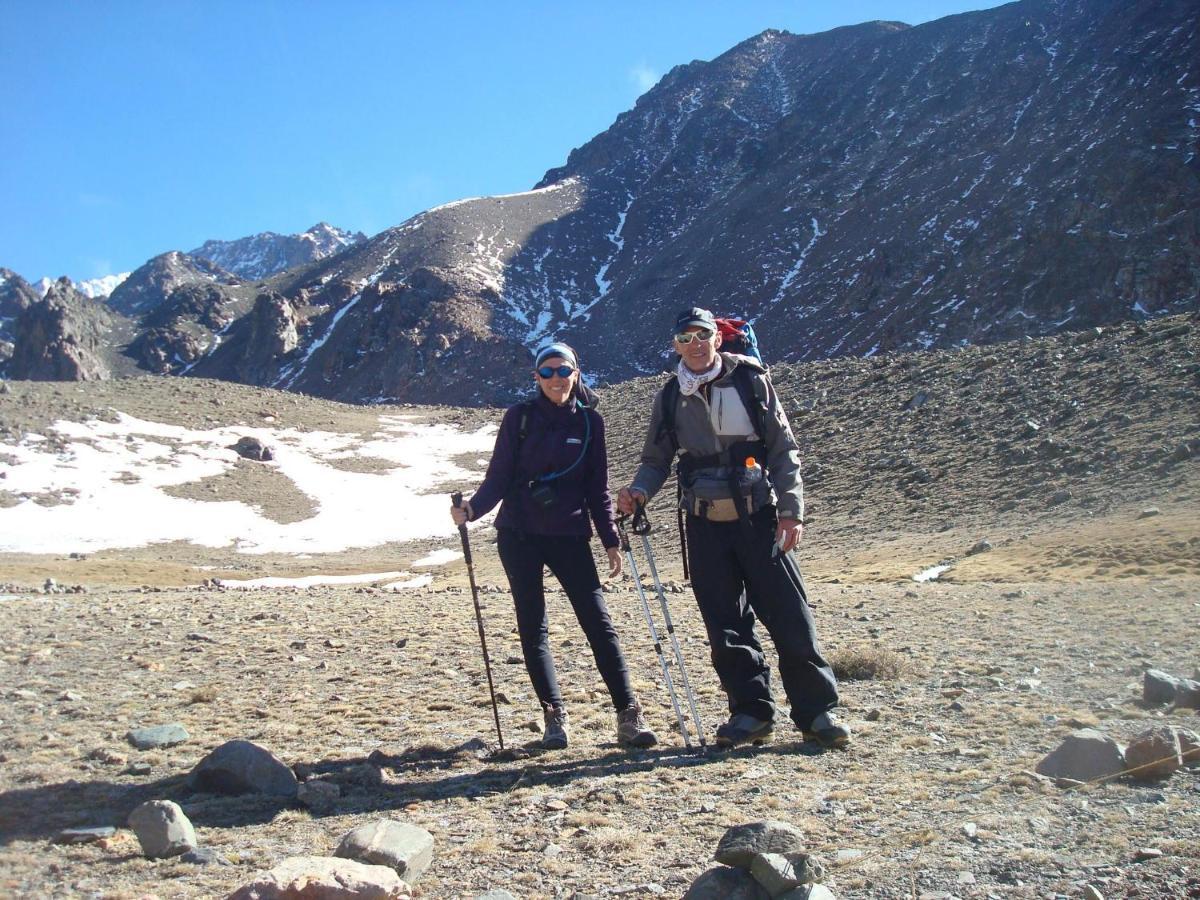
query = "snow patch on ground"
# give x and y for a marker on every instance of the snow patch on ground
(306, 580)
(438, 557)
(111, 479)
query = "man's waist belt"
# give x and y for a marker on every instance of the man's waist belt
(734, 456)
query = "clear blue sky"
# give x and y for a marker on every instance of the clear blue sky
(131, 128)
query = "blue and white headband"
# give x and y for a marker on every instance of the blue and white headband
(556, 349)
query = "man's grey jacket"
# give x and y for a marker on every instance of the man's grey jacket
(709, 426)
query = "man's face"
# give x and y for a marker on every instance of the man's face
(699, 351)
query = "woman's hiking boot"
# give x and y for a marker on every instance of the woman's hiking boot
(827, 731)
(744, 729)
(555, 735)
(632, 730)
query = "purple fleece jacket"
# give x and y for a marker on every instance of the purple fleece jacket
(554, 441)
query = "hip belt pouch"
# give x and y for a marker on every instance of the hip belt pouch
(709, 495)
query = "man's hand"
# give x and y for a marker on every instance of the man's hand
(614, 561)
(628, 498)
(787, 534)
(461, 514)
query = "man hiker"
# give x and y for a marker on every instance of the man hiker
(721, 414)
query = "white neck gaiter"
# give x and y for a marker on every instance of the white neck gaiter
(689, 381)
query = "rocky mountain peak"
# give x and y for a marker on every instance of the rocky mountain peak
(267, 253)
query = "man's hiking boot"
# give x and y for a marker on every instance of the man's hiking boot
(827, 731)
(632, 730)
(744, 729)
(555, 735)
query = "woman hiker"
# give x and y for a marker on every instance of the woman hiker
(549, 472)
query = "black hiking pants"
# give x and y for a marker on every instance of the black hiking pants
(726, 559)
(569, 558)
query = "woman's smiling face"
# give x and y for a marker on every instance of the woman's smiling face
(556, 388)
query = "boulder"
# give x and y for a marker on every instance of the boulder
(1086, 755)
(253, 448)
(741, 842)
(1154, 753)
(1158, 687)
(324, 878)
(398, 845)
(241, 767)
(725, 883)
(162, 829)
(1188, 694)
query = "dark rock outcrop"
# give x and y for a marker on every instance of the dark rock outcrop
(62, 338)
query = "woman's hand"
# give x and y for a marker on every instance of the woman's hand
(614, 561)
(461, 514)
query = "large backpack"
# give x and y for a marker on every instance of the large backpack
(737, 336)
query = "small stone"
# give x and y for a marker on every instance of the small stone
(204, 856)
(405, 848)
(162, 829)
(971, 830)
(84, 835)
(780, 872)
(1091, 892)
(318, 795)
(1147, 853)
(1148, 512)
(848, 855)
(158, 736)
(139, 768)
(495, 894)
(981, 546)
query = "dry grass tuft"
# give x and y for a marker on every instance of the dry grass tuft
(869, 664)
(206, 694)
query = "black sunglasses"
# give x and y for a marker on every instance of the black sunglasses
(550, 371)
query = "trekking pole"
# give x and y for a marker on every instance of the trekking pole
(456, 499)
(641, 526)
(662, 658)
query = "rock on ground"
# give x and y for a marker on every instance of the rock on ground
(1154, 753)
(1085, 755)
(398, 845)
(241, 767)
(726, 883)
(324, 878)
(162, 829)
(741, 842)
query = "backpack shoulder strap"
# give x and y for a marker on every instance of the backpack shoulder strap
(670, 398)
(523, 423)
(749, 393)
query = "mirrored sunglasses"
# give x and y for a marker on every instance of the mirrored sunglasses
(551, 371)
(686, 337)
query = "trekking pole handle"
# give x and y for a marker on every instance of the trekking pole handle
(641, 522)
(456, 498)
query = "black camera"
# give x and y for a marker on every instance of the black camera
(544, 493)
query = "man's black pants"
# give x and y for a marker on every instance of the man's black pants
(569, 558)
(728, 558)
